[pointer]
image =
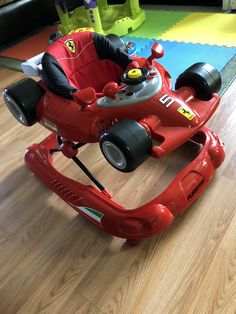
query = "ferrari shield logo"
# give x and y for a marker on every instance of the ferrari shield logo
(186, 113)
(70, 44)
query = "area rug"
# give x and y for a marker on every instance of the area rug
(13, 56)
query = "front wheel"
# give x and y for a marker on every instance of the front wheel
(203, 77)
(126, 145)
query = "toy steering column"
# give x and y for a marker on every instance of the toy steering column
(131, 77)
(135, 76)
(157, 53)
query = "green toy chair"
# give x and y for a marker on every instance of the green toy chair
(118, 19)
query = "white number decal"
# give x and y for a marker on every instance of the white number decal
(166, 100)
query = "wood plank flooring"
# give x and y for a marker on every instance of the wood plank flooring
(54, 261)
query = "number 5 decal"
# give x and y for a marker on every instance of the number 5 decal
(166, 100)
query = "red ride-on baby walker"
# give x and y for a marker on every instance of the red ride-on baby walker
(93, 91)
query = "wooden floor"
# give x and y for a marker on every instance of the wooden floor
(54, 261)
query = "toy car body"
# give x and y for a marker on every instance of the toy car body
(139, 118)
(171, 117)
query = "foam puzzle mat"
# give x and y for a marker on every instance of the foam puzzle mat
(158, 22)
(187, 38)
(179, 56)
(193, 27)
(204, 28)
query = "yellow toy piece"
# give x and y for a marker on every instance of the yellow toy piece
(134, 73)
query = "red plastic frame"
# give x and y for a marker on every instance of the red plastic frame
(169, 117)
(144, 221)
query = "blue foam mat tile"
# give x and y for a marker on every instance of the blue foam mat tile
(179, 56)
(140, 42)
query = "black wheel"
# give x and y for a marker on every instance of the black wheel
(117, 42)
(203, 77)
(21, 99)
(126, 145)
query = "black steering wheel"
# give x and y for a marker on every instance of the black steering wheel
(135, 76)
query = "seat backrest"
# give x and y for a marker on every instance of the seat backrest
(81, 60)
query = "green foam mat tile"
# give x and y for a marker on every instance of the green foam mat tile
(157, 23)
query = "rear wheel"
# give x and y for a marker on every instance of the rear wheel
(126, 145)
(203, 77)
(22, 98)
